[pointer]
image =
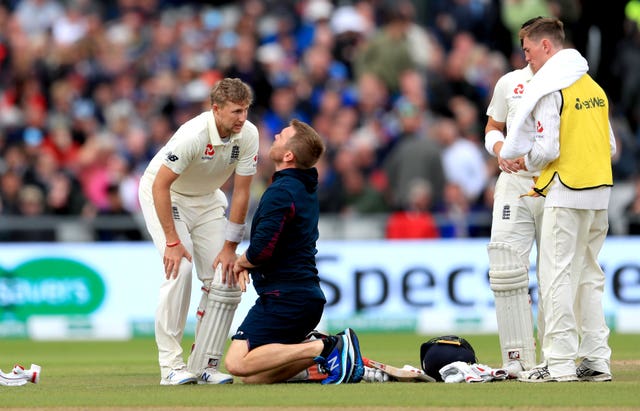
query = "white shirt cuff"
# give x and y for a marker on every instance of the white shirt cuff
(490, 140)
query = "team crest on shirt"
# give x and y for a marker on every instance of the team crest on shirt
(209, 151)
(235, 154)
(506, 212)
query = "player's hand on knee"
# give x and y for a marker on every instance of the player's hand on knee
(171, 260)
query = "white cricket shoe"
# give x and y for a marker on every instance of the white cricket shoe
(213, 376)
(586, 373)
(179, 377)
(541, 373)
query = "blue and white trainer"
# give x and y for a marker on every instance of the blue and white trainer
(355, 356)
(337, 364)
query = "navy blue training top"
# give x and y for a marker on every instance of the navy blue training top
(284, 231)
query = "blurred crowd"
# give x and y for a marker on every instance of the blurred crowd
(90, 90)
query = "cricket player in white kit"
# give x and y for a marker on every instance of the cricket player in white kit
(572, 145)
(515, 225)
(185, 214)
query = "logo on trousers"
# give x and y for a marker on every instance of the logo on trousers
(514, 355)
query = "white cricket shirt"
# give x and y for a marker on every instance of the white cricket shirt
(203, 161)
(504, 102)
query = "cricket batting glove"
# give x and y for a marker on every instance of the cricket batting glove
(20, 376)
(375, 375)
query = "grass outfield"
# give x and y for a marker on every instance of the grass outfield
(124, 375)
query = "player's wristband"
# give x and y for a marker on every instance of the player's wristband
(234, 232)
(173, 244)
(490, 140)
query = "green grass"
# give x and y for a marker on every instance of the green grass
(125, 375)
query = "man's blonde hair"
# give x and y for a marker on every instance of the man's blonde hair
(233, 90)
(543, 27)
(306, 144)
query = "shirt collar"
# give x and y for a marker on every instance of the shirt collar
(214, 136)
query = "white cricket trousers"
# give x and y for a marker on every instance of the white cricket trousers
(572, 284)
(200, 223)
(517, 220)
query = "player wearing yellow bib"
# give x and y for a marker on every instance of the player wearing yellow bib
(572, 145)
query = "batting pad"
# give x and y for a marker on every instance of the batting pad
(509, 281)
(214, 318)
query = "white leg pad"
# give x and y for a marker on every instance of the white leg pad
(215, 315)
(509, 281)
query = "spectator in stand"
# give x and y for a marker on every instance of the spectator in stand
(37, 17)
(467, 118)
(455, 208)
(415, 219)
(247, 68)
(479, 18)
(413, 88)
(314, 19)
(321, 72)
(387, 54)
(423, 46)
(625, 164)
(415, 155)
(31, 204)
(160, 131)
(351, 27)
(69, 29)
(62, 146)
(514, 12)
(360, 196)
(10, 184)
(93, 171)
(632, 211)
(14, 158)
(625, 68)
(115, 67)
(283, 106)
(592, 36)
(373, 97)
(462, 160)
(65, 197)
(42, 167)
(460, 71)
(125, 229)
